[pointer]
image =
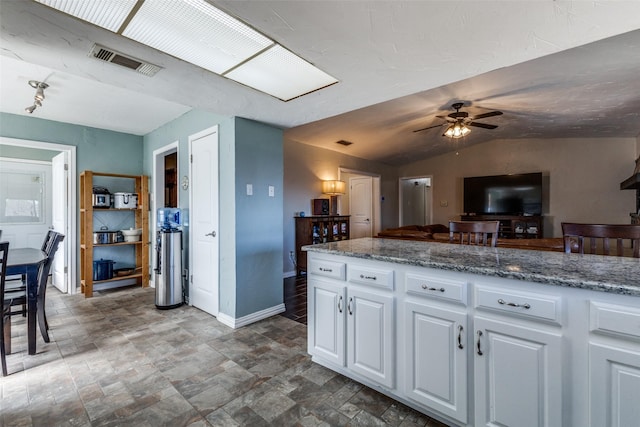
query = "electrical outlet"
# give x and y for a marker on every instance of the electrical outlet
(272, 191)
(249, 189)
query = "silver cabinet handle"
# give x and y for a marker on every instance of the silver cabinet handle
(212, 234)
(428, 288)
(340, 304)
(479, 350)
(349, 306)
(362, 276)
(328, 270)
(513, 304)
(460, 329)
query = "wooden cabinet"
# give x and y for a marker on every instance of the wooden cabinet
(513, 227)
(311, 230)
(351, 326)
(125, 218)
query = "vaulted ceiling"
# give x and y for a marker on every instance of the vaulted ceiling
(554, 68)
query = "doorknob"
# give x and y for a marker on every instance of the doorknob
(212, 234)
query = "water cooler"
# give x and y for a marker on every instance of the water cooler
(168, 278)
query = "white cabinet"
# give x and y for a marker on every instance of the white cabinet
(614, 365)
(351, 325)
(436, 357)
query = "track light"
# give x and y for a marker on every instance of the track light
(39, 96)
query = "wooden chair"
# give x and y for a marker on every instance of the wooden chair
(6, 307)
(599, 236)
(474, 232)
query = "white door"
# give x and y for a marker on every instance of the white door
(370, 337)
(59, 219)
(360, 206)
(436, 358)
(518, 375)
(203, 222)
(25, 202)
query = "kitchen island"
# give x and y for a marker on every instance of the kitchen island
(481, 336)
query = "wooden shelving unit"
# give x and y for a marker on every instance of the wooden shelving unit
(87, 212)
(311, 230)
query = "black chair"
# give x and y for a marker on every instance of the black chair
(43, 278)
(6, 308)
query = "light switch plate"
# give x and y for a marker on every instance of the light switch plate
(272, 191)
(249, 189)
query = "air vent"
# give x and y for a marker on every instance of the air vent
(343, 142)
(109, 55)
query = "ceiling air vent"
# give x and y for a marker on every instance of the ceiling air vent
(343, 142)
(109, 55)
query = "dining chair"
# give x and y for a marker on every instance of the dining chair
(596, 238)
(6, 308)
(43, 279)
(481, 233)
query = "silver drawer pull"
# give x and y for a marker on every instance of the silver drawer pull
(362, 276)
(328, 270)
(513, 304)
(432, 289)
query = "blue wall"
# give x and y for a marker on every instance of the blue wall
(259, 226)
(97, 149)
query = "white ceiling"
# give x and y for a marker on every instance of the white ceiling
(555, 68)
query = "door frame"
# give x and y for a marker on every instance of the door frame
(157, 194)
(73, 247)
(375, 195)
(429, 202)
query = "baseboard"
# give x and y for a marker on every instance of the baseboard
(288, 274)
(234, 323)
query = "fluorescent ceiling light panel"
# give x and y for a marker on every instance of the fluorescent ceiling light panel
(281, 73)
(109, 14)
(196, 32)
(199, 33)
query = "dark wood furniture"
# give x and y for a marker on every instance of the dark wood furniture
(315, 229)
(27, 261)
(513, 226)
(598, 237)
(481, 233)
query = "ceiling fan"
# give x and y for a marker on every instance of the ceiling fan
(459, 121)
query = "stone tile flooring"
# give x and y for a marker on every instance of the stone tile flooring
(115, 360)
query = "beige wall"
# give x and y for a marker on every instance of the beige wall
(581, 176)
(306, 166)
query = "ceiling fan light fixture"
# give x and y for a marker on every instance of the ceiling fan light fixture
(457, 130)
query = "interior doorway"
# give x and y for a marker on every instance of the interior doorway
(68, 249)
(416, 205)
(165, 190)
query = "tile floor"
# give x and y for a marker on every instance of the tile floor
(115, 360)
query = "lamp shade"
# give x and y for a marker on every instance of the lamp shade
(334, 187)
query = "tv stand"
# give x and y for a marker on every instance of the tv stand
(513, 226)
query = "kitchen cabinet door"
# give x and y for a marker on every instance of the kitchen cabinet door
(370, 335)
(436, 358)
(518, 375)
(326, 328)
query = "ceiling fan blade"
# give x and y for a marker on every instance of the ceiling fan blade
(490, 114)
(449, 119)
(430, 127)
(482, 125)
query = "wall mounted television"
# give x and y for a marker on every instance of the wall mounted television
(503, 194)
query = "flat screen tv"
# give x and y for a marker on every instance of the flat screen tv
(503, 194)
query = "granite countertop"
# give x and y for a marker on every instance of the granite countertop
(620, 275)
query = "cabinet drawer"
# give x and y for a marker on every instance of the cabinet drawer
(370, 276)
(428, 286)
(534, 306)
(321, 267)
(615, 320)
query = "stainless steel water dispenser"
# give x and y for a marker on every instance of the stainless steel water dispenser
(168, 278)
